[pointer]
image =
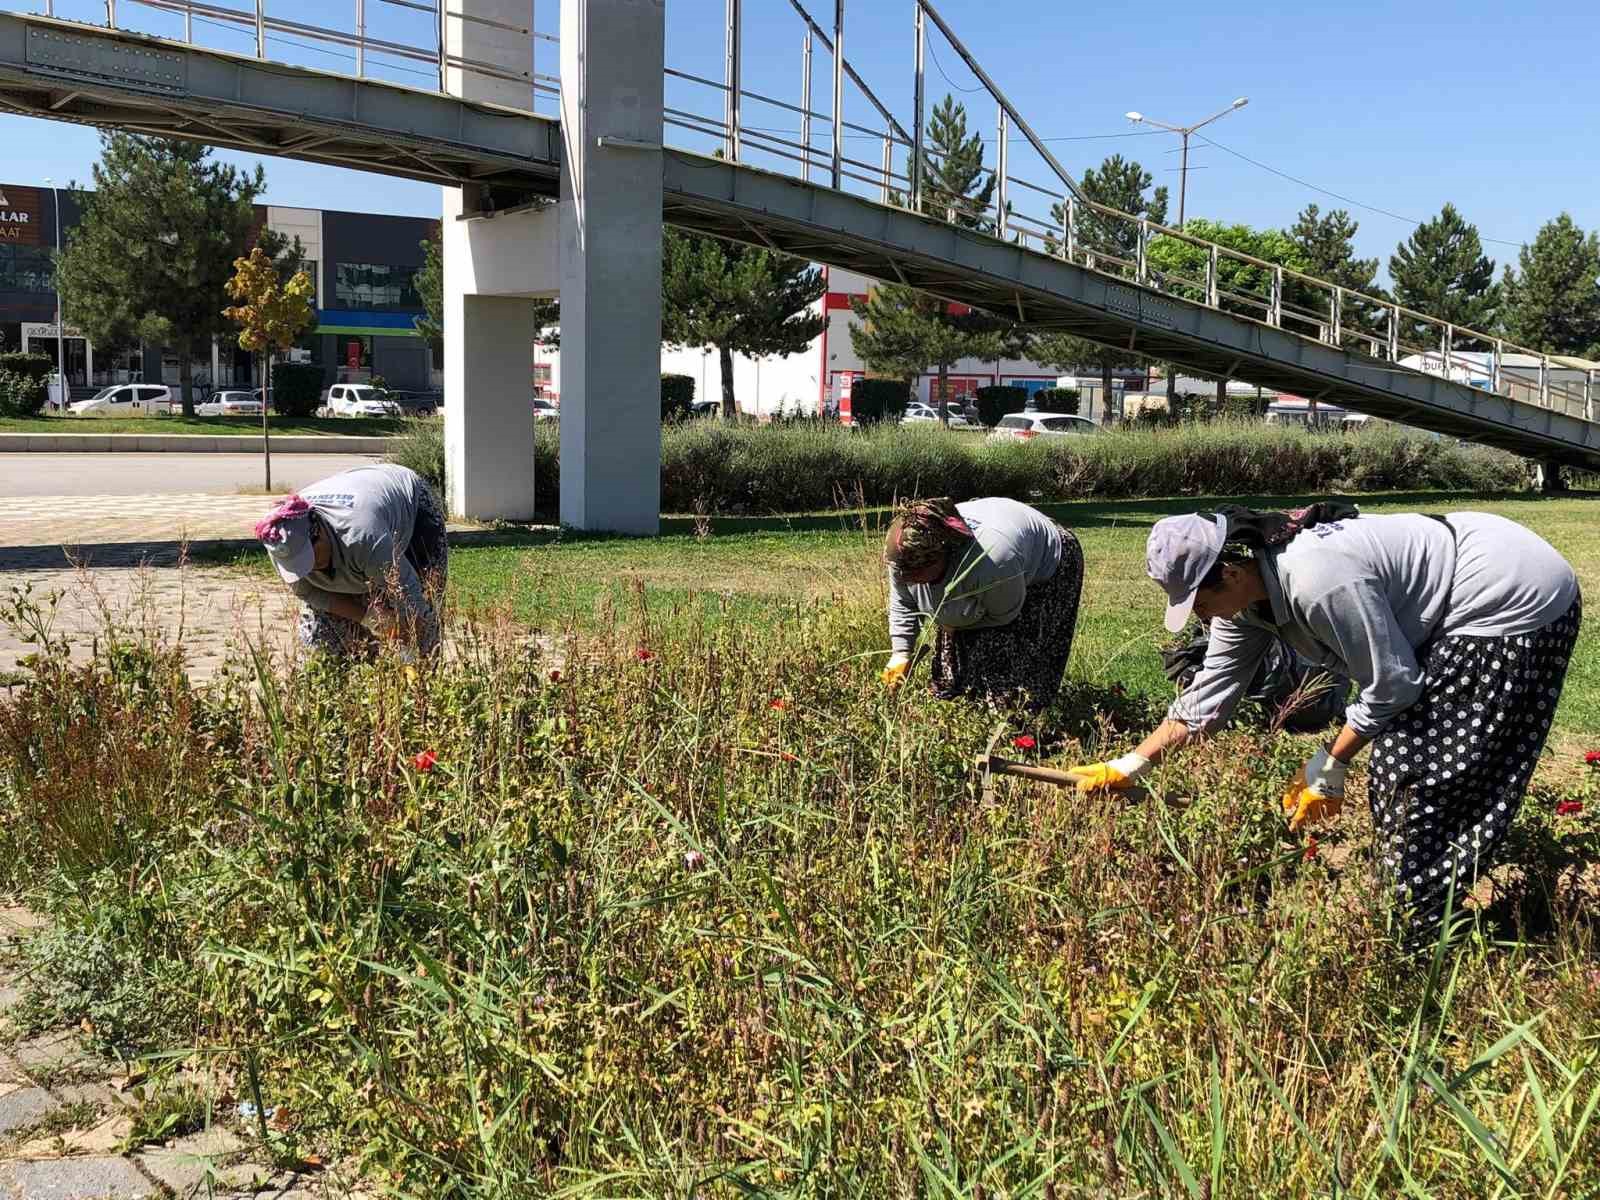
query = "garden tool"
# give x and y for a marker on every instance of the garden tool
(989, 764)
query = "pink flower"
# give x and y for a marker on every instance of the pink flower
(778, 702)
(694, 860)
(1569, 808)
(425, 761)
(1024, 741)
(643, 655)
(1592, 758)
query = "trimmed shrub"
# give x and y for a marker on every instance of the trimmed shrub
(21, 395)
(30, 365)
(677, 396)
(297, 391)
(1057, 400)
(875, 400)
(995, 402)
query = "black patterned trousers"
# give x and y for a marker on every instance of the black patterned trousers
(1023, 662)
(1447, 776)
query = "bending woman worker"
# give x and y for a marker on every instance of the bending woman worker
(1456, 629)
(1000, 581)
(364, 545)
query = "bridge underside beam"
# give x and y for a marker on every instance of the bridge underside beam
(64, 71)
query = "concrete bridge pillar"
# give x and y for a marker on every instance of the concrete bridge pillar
(493, 270)
(613, 53)
(599, 249)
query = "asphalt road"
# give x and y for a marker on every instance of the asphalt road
(122, 474)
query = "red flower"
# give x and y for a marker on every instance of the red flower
(1311, 850)
(555, 675)
(1024, 741)
(643, 655)
(1569, 808)
(778, 702)
(787, 757)
(425, 761)
(1592, 758)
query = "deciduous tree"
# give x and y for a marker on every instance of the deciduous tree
(270, 314)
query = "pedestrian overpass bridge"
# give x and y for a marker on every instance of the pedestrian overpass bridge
(630, 142)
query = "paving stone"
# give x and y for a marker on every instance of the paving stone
(76, 1179)
(8, 996)
(25, 1107)
(182, 1165)
(49, 1052)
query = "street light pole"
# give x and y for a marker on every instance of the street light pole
(55, 279)
(1184, 131)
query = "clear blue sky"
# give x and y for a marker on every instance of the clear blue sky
(1401, 108)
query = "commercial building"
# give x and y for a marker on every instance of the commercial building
(362, 266)
(822, 375)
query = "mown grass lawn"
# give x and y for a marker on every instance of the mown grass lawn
(755, 568)
(208, 426)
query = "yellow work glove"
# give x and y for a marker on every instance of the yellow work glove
(1117, 775)
(899, 664)
(1316, 793)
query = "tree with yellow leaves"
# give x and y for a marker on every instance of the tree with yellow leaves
(270, 314)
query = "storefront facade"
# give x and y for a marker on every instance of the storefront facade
(363, 269)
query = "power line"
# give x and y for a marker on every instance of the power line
(934, 54)
(1335, 195)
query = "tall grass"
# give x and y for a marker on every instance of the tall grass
(715, 469)
(697, 910)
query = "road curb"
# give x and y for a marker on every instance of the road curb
(180, 443)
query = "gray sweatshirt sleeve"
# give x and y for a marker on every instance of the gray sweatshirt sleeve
(905, 618)
(1233, 652)
(1357, 623)
(312, 596)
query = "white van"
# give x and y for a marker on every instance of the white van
(125, 400)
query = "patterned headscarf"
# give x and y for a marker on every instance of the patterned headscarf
(274, 528)
(923, 532)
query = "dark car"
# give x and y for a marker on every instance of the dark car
(418, 404)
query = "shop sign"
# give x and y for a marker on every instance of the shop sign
(19, 216)
(40, 330)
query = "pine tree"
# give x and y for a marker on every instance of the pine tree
(1327, 249)
(738, 299)
(1441, 270)
(905, 332)
(956, 187)
(150, 259)
(1553, 302)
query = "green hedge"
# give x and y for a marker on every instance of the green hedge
(1057, 400)
(296, 389)
(677, 396)
(710, 467)
(996, 402)
(22, 384)
(875, 400)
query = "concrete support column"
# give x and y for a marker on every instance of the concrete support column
(612, 58)
(493, 268)
(487, 61)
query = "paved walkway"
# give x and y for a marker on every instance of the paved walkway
(66, 1117)
(123, 560)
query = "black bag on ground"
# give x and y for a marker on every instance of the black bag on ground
(1293, 692)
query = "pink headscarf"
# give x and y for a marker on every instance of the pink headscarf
(268, 528)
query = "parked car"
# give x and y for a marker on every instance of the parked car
(960, 417)
(359, 400)
(418, 404)
(1024, 425)
(235, 403)
(264, 396)
(125, 400)
(705, 408)
(543, 410)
